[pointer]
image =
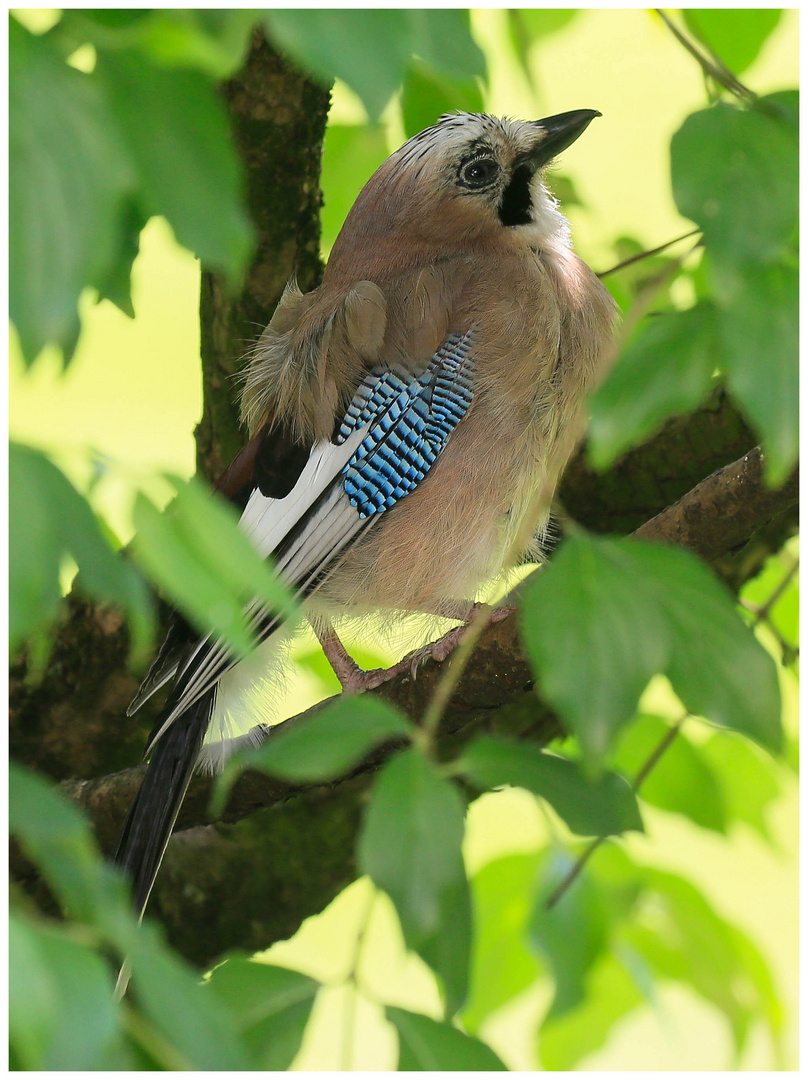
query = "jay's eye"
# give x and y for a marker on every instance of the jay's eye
(478, 172)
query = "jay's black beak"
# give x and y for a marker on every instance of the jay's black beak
(559, 132)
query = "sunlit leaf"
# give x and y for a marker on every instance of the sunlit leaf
(366, 48)
(572, 933)
(784, 613)
(175, 126)
(591, 807)
(428, 1045)
(428, 94)
(748, 778)
(442, 37)
(526, 26)
(84, 1022)
(197, 554)
(410, 846)
(735, 35)
(685, 939)
(681, 782)
(322, 747)
(734, 173)
(566, 1040)
(192, 1019)
(33, 1001)
(665, 369)
(502, 964)
(605, 615)
(593, 636)
(271, 1006)
(50, 519)
(758, 327)
(67, 181)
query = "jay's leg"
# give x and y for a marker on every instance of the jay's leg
(354, 678)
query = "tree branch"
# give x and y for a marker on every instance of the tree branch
(248, 884)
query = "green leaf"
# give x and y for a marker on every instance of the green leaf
(271, 1006)
(366, 48)
(502, 964)
(175, 126)
(611, 994)
(205, 563)
(85, 1021)
(605, 615)
(594, 637)
(56, 837)
(717, 667)
(329, 743)
(784, 614)
(191, 1017)
(734, 173)
(426, 1044)
(786, 104)
(442, 37)
(591, 807)
(212, 41)
(665, 369)
(428, 94)
(410, 846)
(33, 995)
(67, 181)
(682, 781)
(683, 938)
(758, 327)
(210, 525)
(351, 154)
(369, 49)
(526, 26)
(49, 519)
(735, 35)
(116, 285)
(748, 778)
(572, 934)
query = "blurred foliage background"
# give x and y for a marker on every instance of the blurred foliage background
(700, 971)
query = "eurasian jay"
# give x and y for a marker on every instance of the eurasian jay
(430, 392)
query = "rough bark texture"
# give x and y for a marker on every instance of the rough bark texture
(279, 119)
(280, 854)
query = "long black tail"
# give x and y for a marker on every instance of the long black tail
(152, 815)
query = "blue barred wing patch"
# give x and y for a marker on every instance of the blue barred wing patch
(409, 421)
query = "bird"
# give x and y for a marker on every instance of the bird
(425, 398)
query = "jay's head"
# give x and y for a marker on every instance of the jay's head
(470, 177)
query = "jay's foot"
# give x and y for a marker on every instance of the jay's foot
(354, 679)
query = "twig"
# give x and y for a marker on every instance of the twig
(639, 780)
(646, 254)
(716, 70)
(763, 612)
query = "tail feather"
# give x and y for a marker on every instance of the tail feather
(152, 815)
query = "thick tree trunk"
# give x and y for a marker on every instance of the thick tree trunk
(279, 119)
